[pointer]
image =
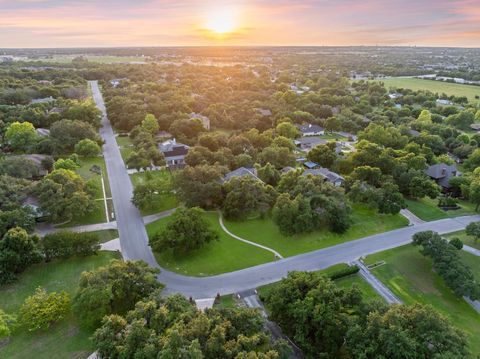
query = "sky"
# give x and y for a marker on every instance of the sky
(112, 23)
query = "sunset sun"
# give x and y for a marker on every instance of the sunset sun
(221, 21)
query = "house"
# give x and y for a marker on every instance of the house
(40, 161)
(413, 133)
(307, 143)
(265, 112)
(311, 130)
(329, 176)
(310, 164)
(443, 102)
(174, 153)
(475, 126)
(395, 95)
(442, 173)
(203, 119)
(42, 100)
(43, 132)
(241, 172)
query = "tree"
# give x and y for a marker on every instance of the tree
(294, 216)
(65, 134)
(84, 111)
(288, 130)
(87, 148)
(65, 244)
(66, 164)
(187, 230)
(473, 229)
(199, 186)
(19, 166)
(246, 196)
(313, 312)
(64, 194)
(268, 174)
(324, 155)
(457, 243)
(279, 157)
(150, 124)
(447, 263)
(425, 117)
(401, 331)
(42, 309)
(113, 289)
(145, 194)
(18, 251)
(172, 327)
(474, 189)
(21, 136)
(138, 160)
(7, 322)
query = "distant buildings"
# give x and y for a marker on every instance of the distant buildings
(203, 119)
(442, 173)
(443, 102)
(174, 153)
(42, 100)
(265, 112)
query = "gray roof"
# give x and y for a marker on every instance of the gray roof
(310, 128)
(414, 133)
(172, 149)
(330, 176)
(43, 132)
(241, 172)
(264, 111)
(442, 173)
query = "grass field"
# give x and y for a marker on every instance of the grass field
(365, 222)
(345, 282)
(468, 240)
(65, 339)
(106, 235)
(409, 275)
(161, 202)
(125, 145)
(427, 209)
(225, 255)
(435, 86)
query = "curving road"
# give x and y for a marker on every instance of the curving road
(134, 241)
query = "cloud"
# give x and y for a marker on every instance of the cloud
(58, 23)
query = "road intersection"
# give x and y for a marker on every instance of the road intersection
(134, 240)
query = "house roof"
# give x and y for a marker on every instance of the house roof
(241, 172)
(330, 176)
(310, 164)
(442, 173)
(172, 148)
(264, 111)
(308, 128)
(414, 133)
(43, 132)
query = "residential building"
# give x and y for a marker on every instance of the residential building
(43, 132)
(311, 130)
(265, 112)
(174, 153)
(329, 176)
(241, 172)
(442, 173)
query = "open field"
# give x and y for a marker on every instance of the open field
(161, 202)
(439, 87)
(427, 209)
(65, 339)
(264, 231)
(468, 240)
(409, 275)
(225, 255)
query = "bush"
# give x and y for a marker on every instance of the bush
(447, 202)
(344, 272)
(42, 309)
(67, 244)
(457, 243)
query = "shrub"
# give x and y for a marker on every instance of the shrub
(344, 272)
(42, 309)
(67, 244)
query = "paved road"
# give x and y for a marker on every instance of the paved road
(134, 242)
(377, 286)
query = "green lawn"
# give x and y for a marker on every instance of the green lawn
(345, 282)
(435, 86)
(226, 301)
(225, 255)
(365, 222)
(427, 209)
(106, 235)
(161, 202)
(468, 240)
(409, 275)
(124, 141)
(65, 339)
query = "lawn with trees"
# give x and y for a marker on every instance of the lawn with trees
(219, 256)
(409, 275)
(427, 209)
(65, 338)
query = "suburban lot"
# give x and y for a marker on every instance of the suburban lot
(427, 209)
(409, 275)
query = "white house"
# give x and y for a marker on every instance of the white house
(311, 130)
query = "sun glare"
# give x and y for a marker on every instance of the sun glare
(221, 21)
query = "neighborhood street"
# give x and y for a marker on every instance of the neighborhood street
(134, 241)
